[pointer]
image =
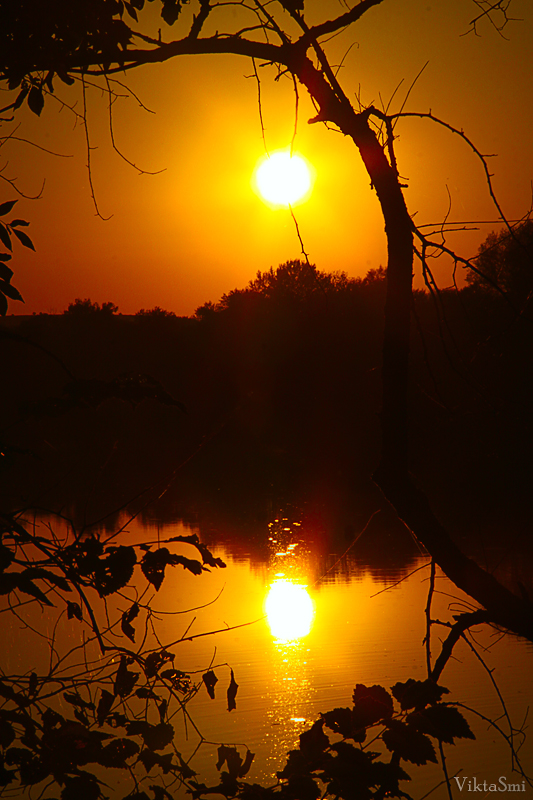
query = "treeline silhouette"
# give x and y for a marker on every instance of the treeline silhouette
(280, 383)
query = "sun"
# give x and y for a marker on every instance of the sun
(282, 179)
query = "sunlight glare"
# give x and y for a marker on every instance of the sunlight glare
(281, 179)
(289, 610)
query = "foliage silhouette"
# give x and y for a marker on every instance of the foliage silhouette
(86, 308)
(505, 259)
(341, 767)
(155, 313)
(115, 709)
(295, 282)
(7, 231)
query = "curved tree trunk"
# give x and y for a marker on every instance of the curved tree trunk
(392, 475)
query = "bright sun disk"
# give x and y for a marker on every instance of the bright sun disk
(282, 179)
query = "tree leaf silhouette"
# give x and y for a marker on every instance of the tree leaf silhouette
(170, 11)
(407, 743)
(104, 706)
(33, 683)
(149, 760)
(116, 753)
(155, 737)
(153, 565)
(230, 756)
(160, 793)
(6, 273)
(18, 223)
(127, 618)
(247, 763)
(6, 207)
(81, 716)
(4, 237)
(7, 732)
(207, 556)
(445, 723)
(232, 692)
(210, 680)
(6, 557)
(371, 704)
(417, 694)
(343, 721)
(180, 680)
(146, 693)
(115, 570)
(76, 700)
(74, 610)
(10, 694)
(36, 100)
(10, 581)
(154, 661)
(314, 741)
(9, 290)
(125, 680)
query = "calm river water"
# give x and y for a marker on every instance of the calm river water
(315, 623)
(301, 623)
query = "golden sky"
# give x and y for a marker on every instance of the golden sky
(197, 229)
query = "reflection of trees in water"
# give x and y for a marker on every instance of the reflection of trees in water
(280, 402)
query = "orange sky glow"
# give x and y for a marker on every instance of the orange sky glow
(197, 229)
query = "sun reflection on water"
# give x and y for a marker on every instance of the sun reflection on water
(289, 610)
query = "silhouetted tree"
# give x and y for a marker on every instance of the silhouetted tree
(205, 311)
(84, 308)
(156, 313)
(505, 259)
(377, 275)
(298, 280)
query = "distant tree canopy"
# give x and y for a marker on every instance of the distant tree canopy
(83, 308)
(157, 313)
(292, 282)
(506, 259)
(297, 280)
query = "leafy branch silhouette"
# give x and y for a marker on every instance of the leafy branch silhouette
(102, 704)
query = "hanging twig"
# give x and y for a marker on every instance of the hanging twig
(427, 639)
(305, 255)
(88, 151)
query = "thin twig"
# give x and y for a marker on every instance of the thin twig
(88, 151)
(428, 616)
(306, 255)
